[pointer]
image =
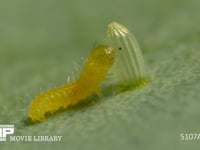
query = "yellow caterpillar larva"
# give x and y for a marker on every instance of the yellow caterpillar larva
(128, 68)
(95, 70)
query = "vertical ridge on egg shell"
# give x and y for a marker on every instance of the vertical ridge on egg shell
(129, 63)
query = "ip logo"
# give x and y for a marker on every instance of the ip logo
(5, 130)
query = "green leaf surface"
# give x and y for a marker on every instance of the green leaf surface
(41, 39)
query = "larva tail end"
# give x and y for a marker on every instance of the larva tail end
(35, 114)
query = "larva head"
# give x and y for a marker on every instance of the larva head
(102, 57)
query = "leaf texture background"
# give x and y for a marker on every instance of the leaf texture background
(41, 39)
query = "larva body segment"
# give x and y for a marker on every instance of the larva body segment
(129, 64)
(50, 101)
(95, 70)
